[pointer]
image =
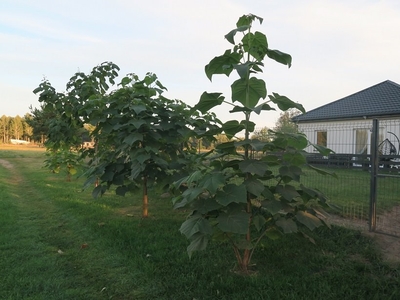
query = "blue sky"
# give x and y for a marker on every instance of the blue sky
(338, 47)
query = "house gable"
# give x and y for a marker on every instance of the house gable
(380, 100)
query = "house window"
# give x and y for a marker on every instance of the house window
(322, 138)
(361, 141)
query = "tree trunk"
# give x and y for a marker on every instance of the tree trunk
(145, 212)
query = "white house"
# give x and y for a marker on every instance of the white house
(345, 125)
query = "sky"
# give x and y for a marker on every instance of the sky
(338, 47)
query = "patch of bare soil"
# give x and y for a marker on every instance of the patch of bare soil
(6, 164)
(388, 243)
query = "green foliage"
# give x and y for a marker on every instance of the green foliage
(284, 123)
(141, 134)
(63, 160)
(142, 138)
(233, 197)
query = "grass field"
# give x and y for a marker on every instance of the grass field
(57, 242)
(351, 190)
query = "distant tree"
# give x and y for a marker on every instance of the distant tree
(221, 138)
(5, 123)
(284, 124)
(27, 129)
(39, 123)
(17, 127)
(261, 134)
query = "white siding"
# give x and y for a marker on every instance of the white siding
(341, 135)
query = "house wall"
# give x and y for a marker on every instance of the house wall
(341, 135)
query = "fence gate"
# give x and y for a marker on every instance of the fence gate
(384, 208)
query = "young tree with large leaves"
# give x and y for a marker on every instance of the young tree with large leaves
(141, 137)
(62, 115)
(235, 198)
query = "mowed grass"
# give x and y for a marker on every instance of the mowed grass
(351, 190)
(57, 242)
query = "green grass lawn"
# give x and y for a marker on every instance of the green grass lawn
(57, 242)
(351, 190)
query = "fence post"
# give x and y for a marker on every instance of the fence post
(374, 173)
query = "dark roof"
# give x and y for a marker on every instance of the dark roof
(380, 100)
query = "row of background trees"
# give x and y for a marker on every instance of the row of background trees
(33, 127)
(15, 128)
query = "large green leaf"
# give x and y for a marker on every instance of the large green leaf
(255, 44)
(287, 191)
(280, 57)
(261, 107)
(192, 193)
(243, 70)
(138, 108)
(136, 169)
(194, 225)
(206, 205)
(254, 186)
(198, 243)
(222, 64)
(227, 147)
(254, 144)
(139, 156)
(248, 20)
(232, 193)
(309, 193)
(253, 166)
(212, 182)
(132, 138)
(248, 91)
(121, 190)
(137, 123)
(307, 219)
(235, 222)
(287, 225)
(295, 158)
(273, 233)
(231, 35)
(98, 191)
(321, 149)
(237, 108)
(107, 176)
(248, 125)
(208, 101)
(292, 172)
(272, 206)
(259, 221)
(231, 128)
(284, 103)
(297, 140)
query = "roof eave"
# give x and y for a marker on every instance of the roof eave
(387, 116)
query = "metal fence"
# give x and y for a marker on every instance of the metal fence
(366, 160)
(367, 164)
